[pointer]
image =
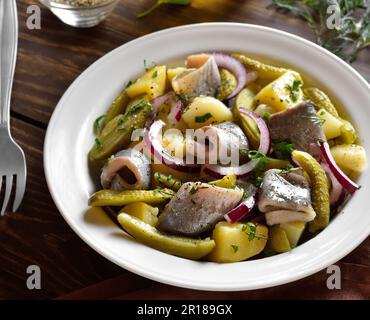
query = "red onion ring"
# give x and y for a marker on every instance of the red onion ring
(226, 61)
(346, 182)
(337, 189)
(264, 147)
(176, 107)
(156, 149)
(239, 212)
(176, 111)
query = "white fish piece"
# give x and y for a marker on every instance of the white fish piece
(128, 169)
(196, 208)
(285, 197)
(203, 81)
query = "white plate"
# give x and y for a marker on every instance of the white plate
(70, 136)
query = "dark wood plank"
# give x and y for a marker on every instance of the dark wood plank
(37, 234)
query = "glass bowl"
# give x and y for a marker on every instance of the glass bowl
(81, 16)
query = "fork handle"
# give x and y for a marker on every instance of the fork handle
(8, 56)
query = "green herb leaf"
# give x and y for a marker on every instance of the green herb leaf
(155, 74)
(263, 160)
(193, 190)
(266, 116)
(234, 247)
(98, 144)
(160, 2)
(284, 148)
(203, 118)
(193, 202)
(295, 89)
(98, 123)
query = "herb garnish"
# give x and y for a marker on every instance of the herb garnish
(295, 89)
(192, 201)
(98, 123)
(203, 118)
(252, 231)
(98, 144)
(160, 2)
(155, 74)
(234, 247)
(284, 148)
(345, 40)
(193, 190)
(266, 116)
(256, 155)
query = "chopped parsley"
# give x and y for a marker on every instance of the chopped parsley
(203, 118)
(129, 84)
(256, 155)
(234, 247)
(284, 148)
(266, 116)
(252, 231)
(193, 190)
(98, 144)
(258, 181)
(155, 74)
(295, 89)
(98, 123)
(192, 201)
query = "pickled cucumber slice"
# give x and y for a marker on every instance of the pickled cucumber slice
(117, 107)
(321, 100)
(265, 71)
(168, 180)
(178, 246)
(228, 84)
(117, 133)
(245, 100)
(116, 198)
(320, 189)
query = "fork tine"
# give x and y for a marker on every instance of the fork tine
(8, 190)
(20, 188)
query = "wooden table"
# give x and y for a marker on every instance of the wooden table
(48, 61)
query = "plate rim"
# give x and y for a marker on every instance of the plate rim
(162, 279)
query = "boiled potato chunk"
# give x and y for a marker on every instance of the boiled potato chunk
(280, 94)
(174, 142)
(293, 231)
(331, 124)
(233, 243)
(142, 211)
(278, 241)
(204, 111)
(348, 133)
(178, 246)
(152, 83)
(349, 157)
(172, 73)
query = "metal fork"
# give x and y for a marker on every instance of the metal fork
(12, 160)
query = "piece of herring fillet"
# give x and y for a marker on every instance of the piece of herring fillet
(299, 125)
(203, 81)
(223, 143)
(196, 208)
(127, 169)
(285, 197)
